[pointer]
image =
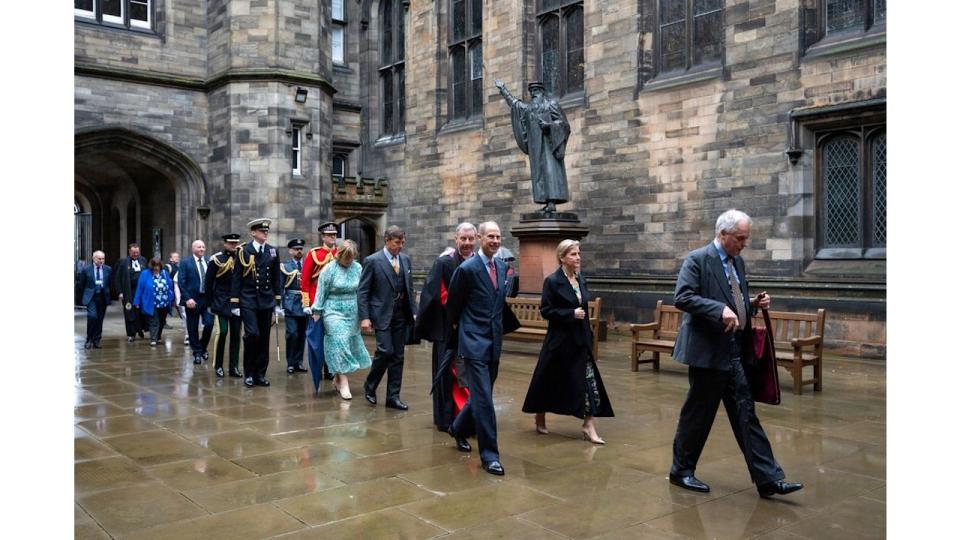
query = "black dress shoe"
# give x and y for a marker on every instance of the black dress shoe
(370, 397)
(493, 467)
(261, 382)
(140, 333)
(235, 372)
(219, 371)
(290, 370)
(301, 369)
(96, 345)
(689, 482)
(248, 382)
(87, 345)
(197, 359)
(778, 488)
(130, 339)
(462, 444)
(396, 404)
(206, 355)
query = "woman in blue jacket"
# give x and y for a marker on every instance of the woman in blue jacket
(153, 297)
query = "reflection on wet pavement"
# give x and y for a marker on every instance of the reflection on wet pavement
(164, 449)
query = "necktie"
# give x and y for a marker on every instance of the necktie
(396, 265)
(737, 294)
(202, 266)
(299, 268)
(492, 270)
(99, 277)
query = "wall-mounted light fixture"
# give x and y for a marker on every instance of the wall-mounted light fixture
(301, 95)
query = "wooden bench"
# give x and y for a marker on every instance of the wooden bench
(798, 338)
(534, 327)
(664, 328)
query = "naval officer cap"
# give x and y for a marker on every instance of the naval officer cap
(232, 237)
(296, 243)
(259, 224)
(328, 228)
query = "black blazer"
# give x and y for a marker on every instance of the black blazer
(377, 290)
(702, 292)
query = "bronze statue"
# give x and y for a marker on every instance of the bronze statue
(541, 130)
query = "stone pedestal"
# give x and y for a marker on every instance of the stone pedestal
(539, 234)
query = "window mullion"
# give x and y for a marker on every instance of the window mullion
(866, 181)
(562, 53)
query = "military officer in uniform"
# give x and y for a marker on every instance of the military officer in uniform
(255, 297)
(218, 282)
(313, 263)
(295, 315)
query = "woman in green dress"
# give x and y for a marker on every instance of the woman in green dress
(336, 301)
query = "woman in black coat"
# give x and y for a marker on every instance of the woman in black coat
(566, 379)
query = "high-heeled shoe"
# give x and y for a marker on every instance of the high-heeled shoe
(343, 390)
(540, 423)
(595, 440)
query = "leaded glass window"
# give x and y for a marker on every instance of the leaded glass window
(853, 191)
(392, 87)
(137, 14)
(465, 48)
(690, 34)
(847, 17)
(560, 38)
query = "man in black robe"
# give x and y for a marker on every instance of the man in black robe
(541, 131)
(434, 325)
(127, 272)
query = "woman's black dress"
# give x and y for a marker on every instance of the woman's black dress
(566, 379)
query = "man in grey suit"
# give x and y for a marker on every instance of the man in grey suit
(385, 305)
(714, 340)
(477, 307)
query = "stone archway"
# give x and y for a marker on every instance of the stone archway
(138, 189)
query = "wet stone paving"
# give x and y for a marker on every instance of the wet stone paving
(165, 449)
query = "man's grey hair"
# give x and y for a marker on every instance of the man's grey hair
(482, 230)
(94, 254)
(729, 219)
(393, 232)
(465, 226)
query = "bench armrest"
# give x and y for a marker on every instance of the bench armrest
(645, 327)
(806, 341)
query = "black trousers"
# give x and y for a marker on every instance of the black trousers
(198, 341)
(389, 357)
(157, 321)
(442, 397)
(256, 341)
(96, 311)
(479, 413)
(296, 339)
(225, 326)
(135, 320)
(708, 387)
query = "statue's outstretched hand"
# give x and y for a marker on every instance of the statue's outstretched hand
(499, 84)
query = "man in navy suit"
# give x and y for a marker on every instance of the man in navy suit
(715, 340)
(193, 297)
(95, 284)
(477, 307)
(385, 304)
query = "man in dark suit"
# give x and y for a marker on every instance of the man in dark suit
(193, 296)
(433, 324)
(127, 275)
(385, 304)
(173, 267)
(256, 292)
(715, 340)
(95, 294)
(295, 316)
(218, 283)
(477, 307)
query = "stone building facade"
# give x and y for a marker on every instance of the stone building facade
(679, 109)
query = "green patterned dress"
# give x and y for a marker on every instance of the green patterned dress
(336, 300)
